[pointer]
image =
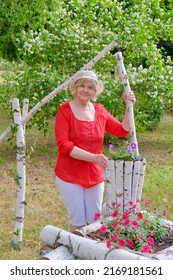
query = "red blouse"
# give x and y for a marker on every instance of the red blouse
(87, 135)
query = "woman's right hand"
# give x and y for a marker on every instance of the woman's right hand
(101, 160)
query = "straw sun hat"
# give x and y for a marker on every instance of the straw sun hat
(85, 74)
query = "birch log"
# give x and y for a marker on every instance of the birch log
(119, 183)
(51, 95)
(140, 183)
(128, 179)
(84, 248)
(21, 174)
(127, 89)
(60, 253)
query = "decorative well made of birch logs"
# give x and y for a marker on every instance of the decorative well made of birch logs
(124, 182)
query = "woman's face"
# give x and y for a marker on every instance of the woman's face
(86, 90)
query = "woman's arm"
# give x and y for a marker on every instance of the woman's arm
(81, 154)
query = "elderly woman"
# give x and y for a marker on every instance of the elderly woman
(79, 130)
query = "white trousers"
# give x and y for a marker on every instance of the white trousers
(81, 203)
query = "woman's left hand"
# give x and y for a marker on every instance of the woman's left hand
(130, 97)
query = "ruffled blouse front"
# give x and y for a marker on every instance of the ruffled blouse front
(87, 135)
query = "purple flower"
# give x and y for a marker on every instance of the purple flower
(129, 149)
(111, 146)
(133, 146)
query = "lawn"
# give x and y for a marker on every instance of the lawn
(43, 203)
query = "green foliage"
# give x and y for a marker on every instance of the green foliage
(54, 39)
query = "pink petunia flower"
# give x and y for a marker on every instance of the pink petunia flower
(103, 229)
(131, 203)
(115, 225)
(115, 214)
(135, 223)
(150, 240)
(114, 237)
(125, 216)
(108, 244)
(145, 248)
(126, 222)
(97, 216)
(121, 242)
(119, 204)
(139, 215)
(131, 243)
(139, 238)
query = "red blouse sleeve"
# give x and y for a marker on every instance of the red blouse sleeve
(113, 126)
(62, 128)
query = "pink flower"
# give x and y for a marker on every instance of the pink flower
(165, 212)
(125, 216)
(135, 223)
(131, 203)
(115, 214)
(103, 229)
(114, 237)
(126, 222)
(121, 242)
(139, 215)
(108, 243)
(145, 248)
(114, 225)
(150, 240)
(131, 243)
(97, 216)
(119, 204)
(147, 203)
(139, 238)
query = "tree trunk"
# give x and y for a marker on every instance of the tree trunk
(21, 173)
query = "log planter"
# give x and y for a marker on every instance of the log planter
(124, 182)
(79, 245)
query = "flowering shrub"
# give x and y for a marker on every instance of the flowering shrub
(135, 229)
(126, 152)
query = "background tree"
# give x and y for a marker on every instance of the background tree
(56, 38)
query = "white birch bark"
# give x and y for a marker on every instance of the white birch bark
(25, 110)
(89, 228)
(135, 181)
(127, 89)
(110, 191)
(84, 248)
(128, 176)
(119, 183)
(45, 249)
(60, 253)
(21, 174)
(52, 94)
(140, 183)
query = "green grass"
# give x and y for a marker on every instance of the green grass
(43, 203)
